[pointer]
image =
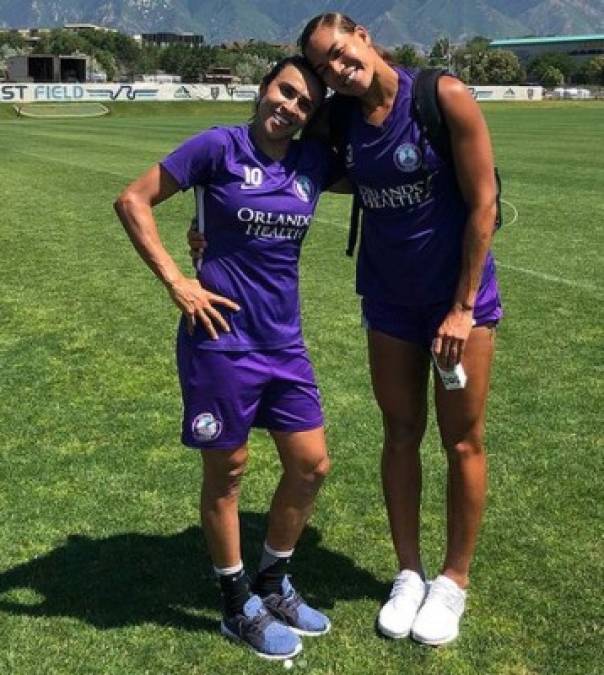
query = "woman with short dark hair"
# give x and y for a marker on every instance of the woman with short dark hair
(241, 356)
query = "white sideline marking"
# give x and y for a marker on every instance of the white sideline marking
(533, 273)
(549, 277)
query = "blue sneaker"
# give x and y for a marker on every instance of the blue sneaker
(290, 608)
(257, 629)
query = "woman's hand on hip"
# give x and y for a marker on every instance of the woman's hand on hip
(198, 306)
(451, 337)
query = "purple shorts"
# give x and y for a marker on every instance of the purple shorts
(225, 394)
(419, 324)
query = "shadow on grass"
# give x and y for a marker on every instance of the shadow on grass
(129, 579)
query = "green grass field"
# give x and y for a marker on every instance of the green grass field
(102, 565)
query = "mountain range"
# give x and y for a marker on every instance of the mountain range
(391, 22)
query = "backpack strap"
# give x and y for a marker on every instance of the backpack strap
(499, 214)
(433, 125)
(340, 111)
(353, 227)
(428, 115)
(198, 222)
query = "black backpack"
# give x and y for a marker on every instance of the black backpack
(427, 113)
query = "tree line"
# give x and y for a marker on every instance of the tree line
(474, 63)
(120, 56)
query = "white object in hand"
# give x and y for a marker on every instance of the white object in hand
(455, 378)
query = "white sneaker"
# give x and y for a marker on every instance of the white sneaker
(397, 615)
(437, 622)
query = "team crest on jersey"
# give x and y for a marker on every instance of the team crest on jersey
(408, 157)
(304, 188)
(206, 427)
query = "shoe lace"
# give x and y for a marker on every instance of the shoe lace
(449, 597)
(254, 626)
(401, 585)
(292, 599)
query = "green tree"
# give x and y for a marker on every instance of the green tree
(264, 50)
(552, 77)
(252, 68)
(172, 58)
(125, 49)
(42, 46)
(188, 62)
(106, 60)
(470, 60)
(226, 58)
(12, 40)
(478, 43)
(440, 54)
(562, 62)
(470, 65)
(503, 67)
(408, 56)
(66, 42)
(195, 63)
(594, 71)
(147, 60)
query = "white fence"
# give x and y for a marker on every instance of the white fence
(148, 91)
(572, 92)
(137, 91)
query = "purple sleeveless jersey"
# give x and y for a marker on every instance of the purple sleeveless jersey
(256, 212)
(414, 213)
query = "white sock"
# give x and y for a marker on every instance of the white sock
(226, 571)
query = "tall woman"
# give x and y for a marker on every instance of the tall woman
(427, 282)
(241, 357)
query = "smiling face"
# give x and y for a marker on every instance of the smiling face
(344, 60)
(287, 102)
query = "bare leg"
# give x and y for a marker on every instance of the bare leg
(245, 617)
(305, 464)
(399, 373)
(222, 473)
(461, 418)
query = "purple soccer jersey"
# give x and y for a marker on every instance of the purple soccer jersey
(255, 213)
(413, 212)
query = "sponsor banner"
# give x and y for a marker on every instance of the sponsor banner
(506, 93)
(249, 93)
(147, 91)
(137, 91)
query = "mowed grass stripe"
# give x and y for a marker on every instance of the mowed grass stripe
(550, 277)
